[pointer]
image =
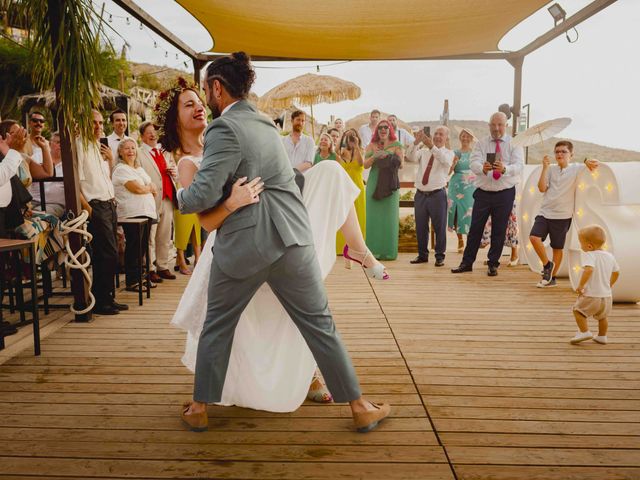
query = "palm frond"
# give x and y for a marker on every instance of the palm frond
(66, 33)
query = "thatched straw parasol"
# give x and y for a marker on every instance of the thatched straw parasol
(108, 96)
(307, 90)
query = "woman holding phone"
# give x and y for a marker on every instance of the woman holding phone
(350, 157)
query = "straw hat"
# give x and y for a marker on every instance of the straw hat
(460, 129)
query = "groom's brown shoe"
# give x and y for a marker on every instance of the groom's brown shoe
(197, 422)
(367, 421)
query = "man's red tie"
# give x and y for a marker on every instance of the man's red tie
(427, 172)
(496, 173)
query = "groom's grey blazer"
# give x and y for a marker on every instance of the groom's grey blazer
(242, 143)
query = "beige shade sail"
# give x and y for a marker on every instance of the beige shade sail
(359, 29)
(309, 89)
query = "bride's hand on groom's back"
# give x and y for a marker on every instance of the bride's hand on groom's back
(244, 193)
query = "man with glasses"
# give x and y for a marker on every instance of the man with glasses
(36, 126)
(558, 185)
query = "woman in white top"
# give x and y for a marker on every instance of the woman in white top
(134, 193)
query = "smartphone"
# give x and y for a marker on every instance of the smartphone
(104, 141)
(491, 158)
(427, 131)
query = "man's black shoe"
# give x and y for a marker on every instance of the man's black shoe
(419, 259)
(440, 263)
(492, 271)
(463, 267)
(105, 310)
(7, 329)
(119, 306)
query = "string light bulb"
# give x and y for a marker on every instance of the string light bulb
(532, 190)
(141, 27)
(110, 18)
(128, 20)
(609, 187)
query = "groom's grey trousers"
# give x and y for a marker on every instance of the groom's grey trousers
(296, 281)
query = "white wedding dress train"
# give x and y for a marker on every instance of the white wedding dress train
(271, 367)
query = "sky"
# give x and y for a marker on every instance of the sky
(594, 81)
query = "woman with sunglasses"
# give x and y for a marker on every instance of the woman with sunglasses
(384, 155)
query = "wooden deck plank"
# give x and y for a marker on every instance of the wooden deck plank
(485, 361)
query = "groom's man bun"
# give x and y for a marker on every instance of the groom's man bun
(235, 72)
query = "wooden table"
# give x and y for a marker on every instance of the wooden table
(17, 248)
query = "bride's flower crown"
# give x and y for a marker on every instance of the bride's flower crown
(165, 99)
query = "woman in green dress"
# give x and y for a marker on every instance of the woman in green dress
(351, 158)
(461, 188)
(384, 155)
(325, 149)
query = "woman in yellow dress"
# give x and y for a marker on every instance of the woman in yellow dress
(186, 226)
(350, 156)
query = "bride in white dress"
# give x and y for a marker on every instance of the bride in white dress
(270, 367)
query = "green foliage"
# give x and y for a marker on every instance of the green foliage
(110, 64)
(407, 195)
(67, 34)
(15, 77)
(408, 225)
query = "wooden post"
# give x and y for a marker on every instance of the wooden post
(71, 188)
(197, 68)
(517, 91)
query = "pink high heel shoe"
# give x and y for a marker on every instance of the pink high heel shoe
(377, 271)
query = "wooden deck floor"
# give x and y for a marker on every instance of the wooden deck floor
(479, 371)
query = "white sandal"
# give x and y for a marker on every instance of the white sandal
(376, 271)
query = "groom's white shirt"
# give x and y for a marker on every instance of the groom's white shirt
(226, 109)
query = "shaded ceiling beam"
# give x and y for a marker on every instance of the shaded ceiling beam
(564, 26)
(138, 12)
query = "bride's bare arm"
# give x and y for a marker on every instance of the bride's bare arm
(241, 196)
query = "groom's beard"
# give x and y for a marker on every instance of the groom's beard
(215, 109)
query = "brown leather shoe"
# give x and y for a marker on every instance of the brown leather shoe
(166, 274)
(155, 278)
(197, 422)
(367, 421)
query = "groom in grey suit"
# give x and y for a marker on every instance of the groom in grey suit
(269, 241)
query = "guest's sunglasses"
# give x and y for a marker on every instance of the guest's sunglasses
(38, 120)
(383, 127)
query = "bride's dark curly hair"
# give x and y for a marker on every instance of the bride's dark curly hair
(166, 114)
(235, 72)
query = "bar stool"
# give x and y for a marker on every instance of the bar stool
(142, 224)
